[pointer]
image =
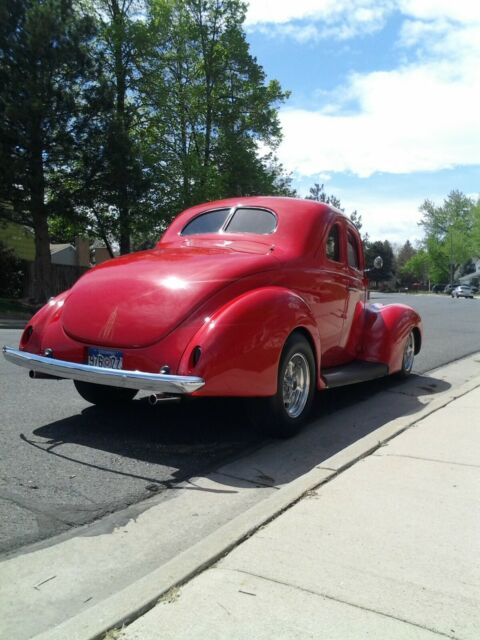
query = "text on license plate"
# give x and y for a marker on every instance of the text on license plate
(104, 358)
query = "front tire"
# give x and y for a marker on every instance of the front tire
(104, 395)
(408, 356)
(283, 414)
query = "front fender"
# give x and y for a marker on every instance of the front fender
(386, 329)
(241, 343)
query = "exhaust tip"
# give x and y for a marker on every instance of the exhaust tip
(155, 398)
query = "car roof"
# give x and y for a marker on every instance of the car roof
(300, 222)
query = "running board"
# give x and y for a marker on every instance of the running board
(356, 371)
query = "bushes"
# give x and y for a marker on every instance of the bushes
(11, 273)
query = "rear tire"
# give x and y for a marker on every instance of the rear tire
(283, 414)
(104, 395)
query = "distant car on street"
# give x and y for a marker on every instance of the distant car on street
(450, 287)
(438, 288)
(462, 291)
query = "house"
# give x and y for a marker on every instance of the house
(63, 254)
(472, 278)
(21, 240)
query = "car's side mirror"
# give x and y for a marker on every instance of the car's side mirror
(377, 264)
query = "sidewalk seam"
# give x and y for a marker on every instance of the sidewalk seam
(403, 455)
(345, 602)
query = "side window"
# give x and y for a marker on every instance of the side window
(352, 251)
(333, 243)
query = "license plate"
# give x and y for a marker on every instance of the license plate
(104, 358)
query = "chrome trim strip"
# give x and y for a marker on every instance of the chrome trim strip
(154, 382)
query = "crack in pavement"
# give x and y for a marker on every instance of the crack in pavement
(345, 602)
(404, 455)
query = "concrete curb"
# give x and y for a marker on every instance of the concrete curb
(136, 599)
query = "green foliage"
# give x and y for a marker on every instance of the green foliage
(318, 193)
(46, 68)
(405, 275)
(385, 251)
(451, 238)
(11, 273)
(406, 252)
(116, 114)
(417, 268)
(212, 105)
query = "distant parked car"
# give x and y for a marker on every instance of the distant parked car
(450, 287)
(438, 288)
(462, 291)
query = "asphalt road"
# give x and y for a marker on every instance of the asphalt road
(64, 463)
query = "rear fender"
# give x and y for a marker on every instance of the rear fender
(240, 345)
(386, 329)
(46, 319)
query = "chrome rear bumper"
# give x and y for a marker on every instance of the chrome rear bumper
(154, 382)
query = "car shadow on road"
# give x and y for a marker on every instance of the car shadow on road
(198, 436)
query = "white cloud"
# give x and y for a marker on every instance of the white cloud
(394, 219)
(464, 11)
(284, 11)
(422, 116)
(306, 20)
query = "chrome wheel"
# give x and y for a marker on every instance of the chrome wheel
(283, 414)
(296, 385)
(408, 353)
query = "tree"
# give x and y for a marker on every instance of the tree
(405, 253)
(213, 107)
(11, 273)
(318, 193)
(475, 238)
(418, 266)
(406, 275)
(449, 231)
(120, 182)
(45, 69)
(385, 251)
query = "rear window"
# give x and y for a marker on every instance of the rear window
(210, 222)
(244, 220)
(252, 221)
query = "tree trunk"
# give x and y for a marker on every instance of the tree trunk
(42, 283)
(121, 90)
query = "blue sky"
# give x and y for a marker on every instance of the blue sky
(385, 101)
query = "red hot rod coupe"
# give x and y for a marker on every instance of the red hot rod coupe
(258, 297)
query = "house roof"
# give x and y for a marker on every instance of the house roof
(56, 248)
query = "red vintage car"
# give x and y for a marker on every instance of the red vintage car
(259, 297)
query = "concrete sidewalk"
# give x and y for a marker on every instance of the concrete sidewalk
(388, 549)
